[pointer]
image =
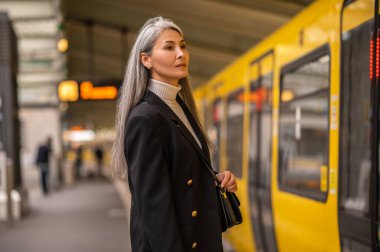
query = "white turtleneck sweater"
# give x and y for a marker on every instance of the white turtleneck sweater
(168, 94)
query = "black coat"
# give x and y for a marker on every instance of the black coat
(174, 205)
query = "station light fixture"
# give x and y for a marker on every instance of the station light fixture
(78, 135)
(63, 45)
(287, 95)
(68, 91)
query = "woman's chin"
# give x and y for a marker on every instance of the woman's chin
(183, 75)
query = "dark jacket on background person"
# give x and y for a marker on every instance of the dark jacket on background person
(174, 204)
(42, 160)
(43, 154)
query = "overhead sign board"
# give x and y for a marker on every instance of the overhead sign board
(71, 91)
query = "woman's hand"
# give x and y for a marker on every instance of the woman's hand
(227, 180)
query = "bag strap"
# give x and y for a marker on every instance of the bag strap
(195, 128)
(211, 171)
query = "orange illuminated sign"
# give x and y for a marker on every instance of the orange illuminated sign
(68, 91)
(258, 96)
(89, 92)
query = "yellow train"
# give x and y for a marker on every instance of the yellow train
(296, 119)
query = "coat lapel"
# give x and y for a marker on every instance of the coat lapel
(196, 128)
(153, 99)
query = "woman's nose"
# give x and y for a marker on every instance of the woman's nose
(180, 53)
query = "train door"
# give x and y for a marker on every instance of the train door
(260, 106)
(304, 209)
(359, 127)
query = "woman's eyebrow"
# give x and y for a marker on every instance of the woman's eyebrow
(172, 42)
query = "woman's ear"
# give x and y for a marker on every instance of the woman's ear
(145, 60)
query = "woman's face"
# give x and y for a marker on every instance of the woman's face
(169, 59)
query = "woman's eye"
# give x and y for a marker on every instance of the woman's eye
(183, 46)
(169, 47)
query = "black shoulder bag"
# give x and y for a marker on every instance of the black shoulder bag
(228, 204)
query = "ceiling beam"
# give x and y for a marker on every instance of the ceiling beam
(33, 19)
(216, 31)
(285, 8)
(76, 34)
(233, 21)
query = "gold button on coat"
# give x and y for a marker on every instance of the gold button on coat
(194, 213)
(194, 245)
(189, 182)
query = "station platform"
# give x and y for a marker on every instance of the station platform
(90, 216)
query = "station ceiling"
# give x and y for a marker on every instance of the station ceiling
(101, 32)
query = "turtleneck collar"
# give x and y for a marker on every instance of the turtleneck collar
(163, 90)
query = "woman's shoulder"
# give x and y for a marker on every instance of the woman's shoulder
(146, 118)
(145, 111)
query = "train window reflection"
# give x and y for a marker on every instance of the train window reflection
(349, 245)
(355, 162)
(304, 125)
(235, 109)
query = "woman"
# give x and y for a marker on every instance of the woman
(160, 140)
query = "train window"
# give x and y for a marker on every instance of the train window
(355, 162)
(304, 126)
(235, 109)
(214, 133)
(349, 245)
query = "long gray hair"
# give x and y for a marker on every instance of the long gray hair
(135, 84)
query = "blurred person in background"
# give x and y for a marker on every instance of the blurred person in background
(99, 160)
(160, 145)
(78, 162)
(42, 161)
